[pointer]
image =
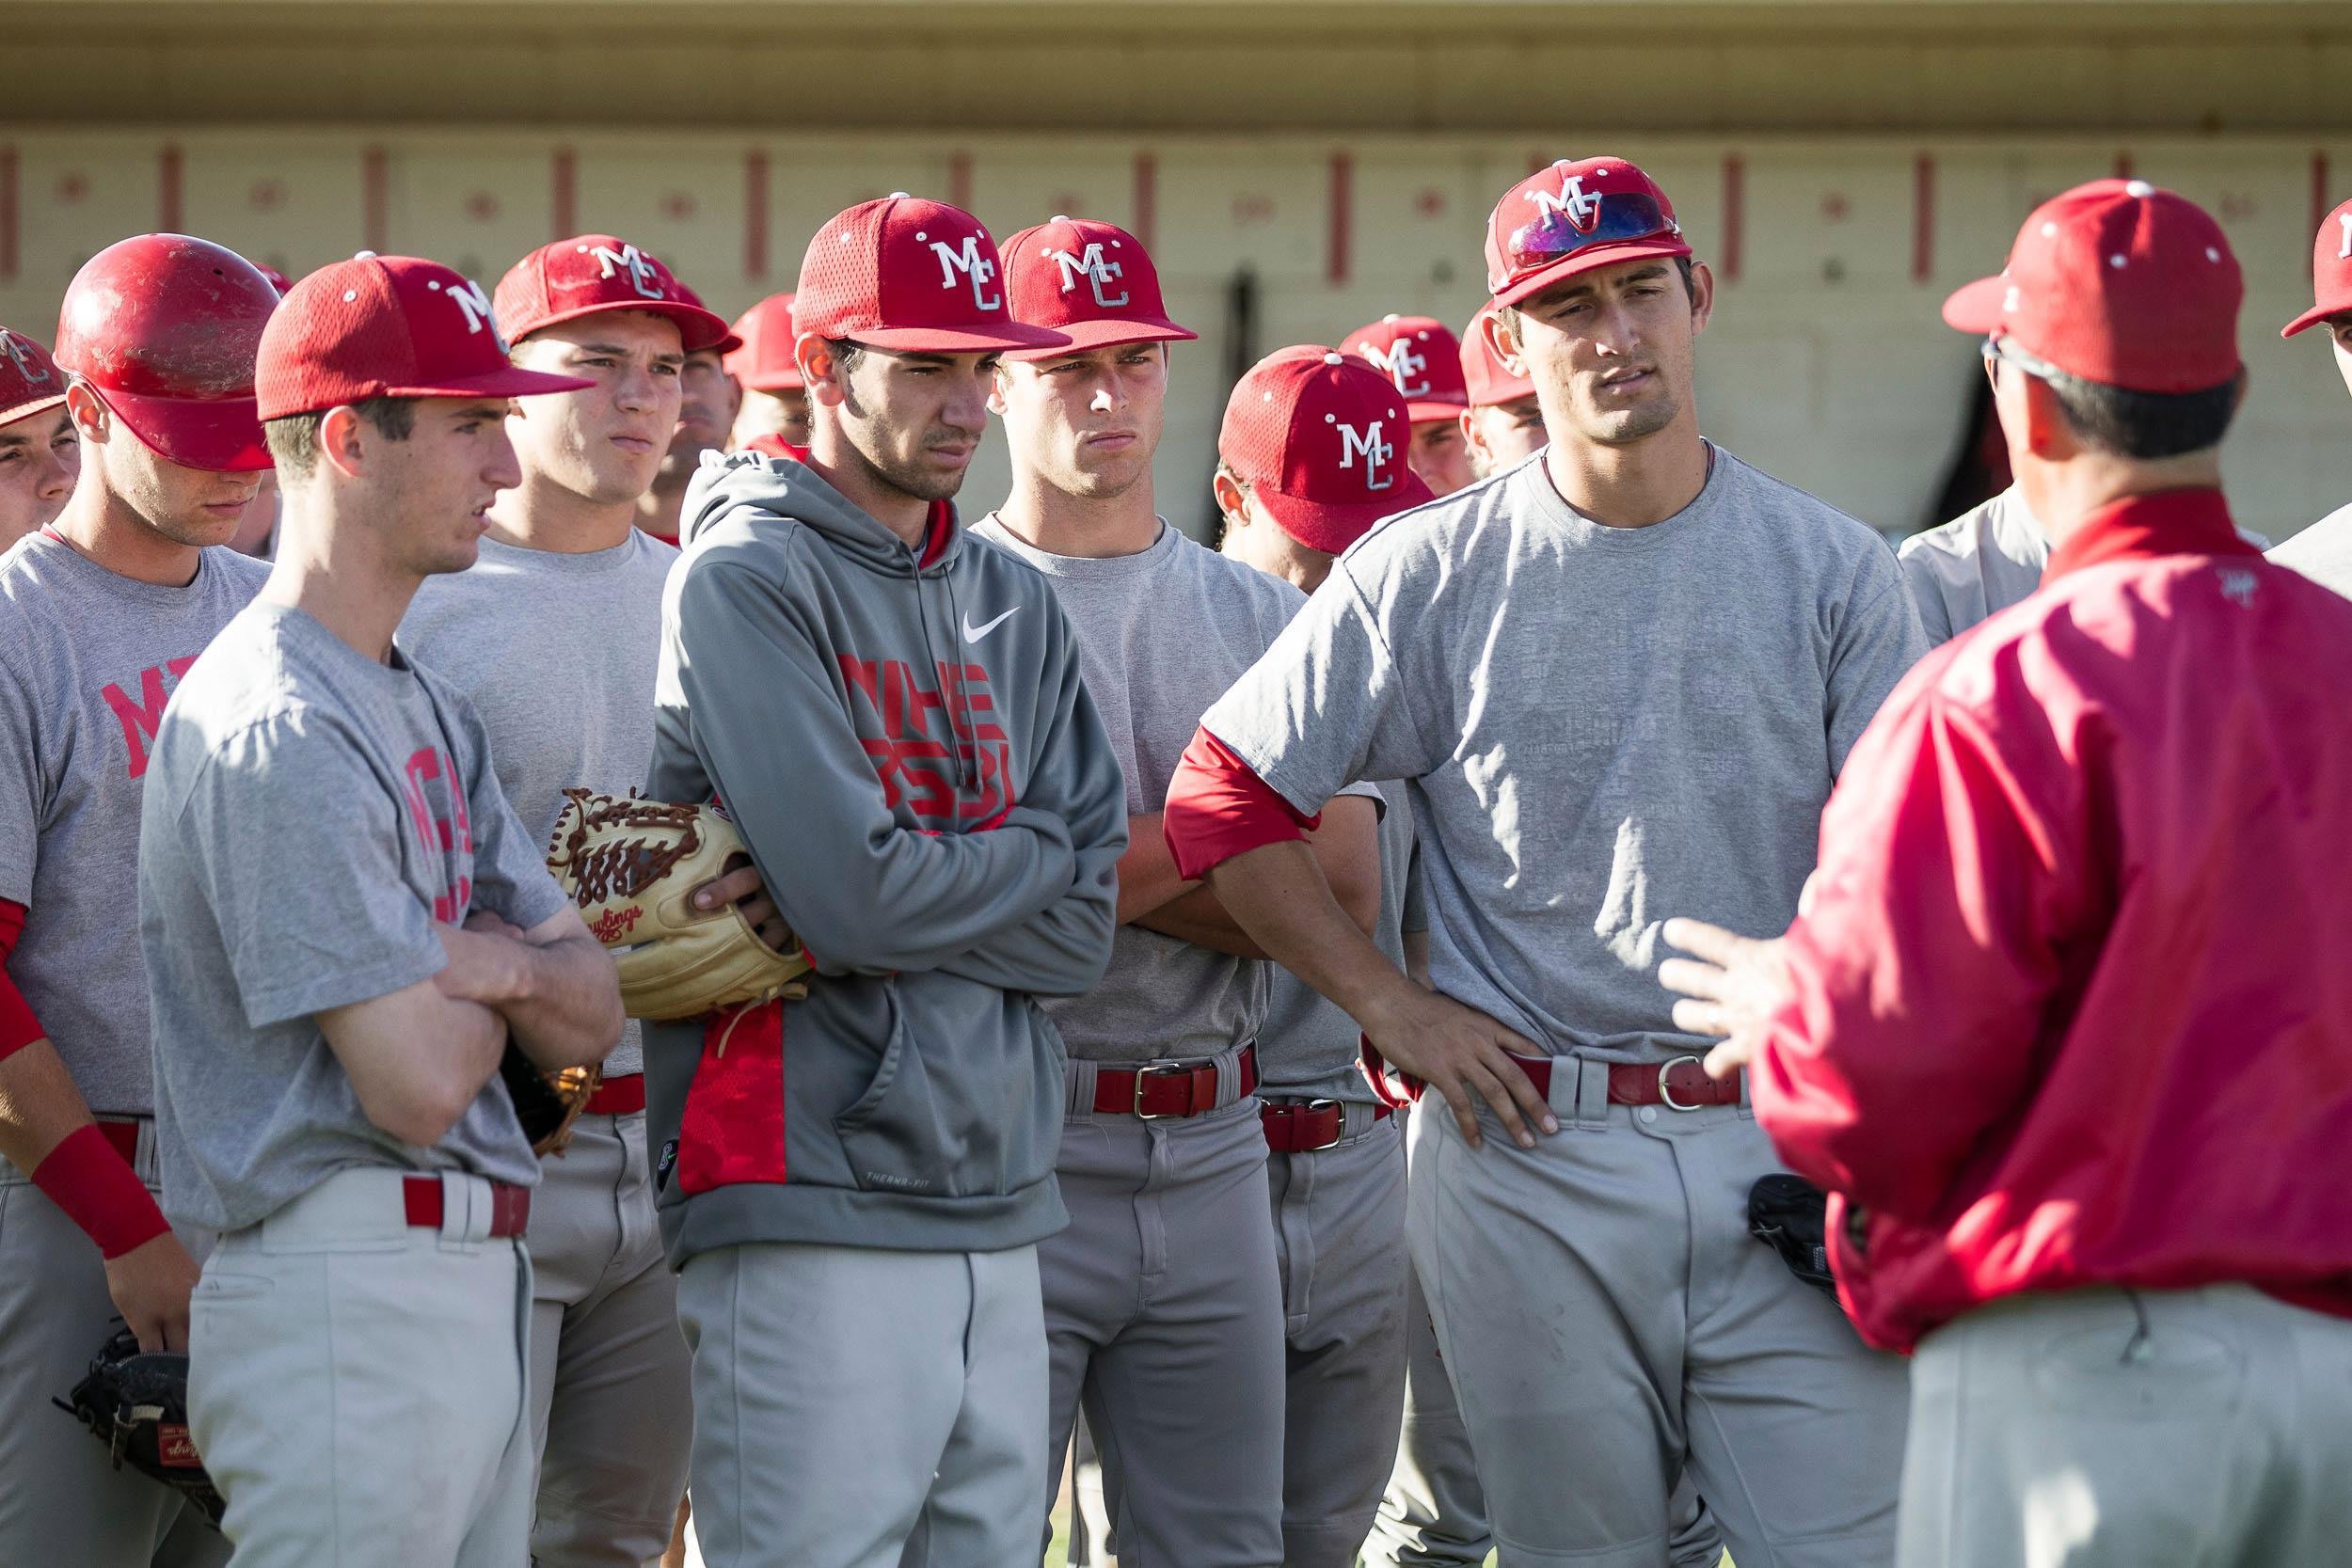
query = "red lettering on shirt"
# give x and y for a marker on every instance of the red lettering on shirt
(937, 749)
(450, 836)
(141, 719)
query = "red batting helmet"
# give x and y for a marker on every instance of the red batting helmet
(164, 328)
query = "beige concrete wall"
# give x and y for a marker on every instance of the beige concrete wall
(1826, 362)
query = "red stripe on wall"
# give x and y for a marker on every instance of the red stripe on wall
(960, 181)
(7, 212)
(375, 199)
(167, 204)
(1147, 214)
(755, 214)
(1922, 219)
(1342, 216)
(2321, 206)
(566, 201)
(2122, 165)
(1735, 214)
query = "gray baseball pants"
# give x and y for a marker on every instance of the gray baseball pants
(1163, 1318)
(862, 1408)
(1608, 1322)
(612, 1401)
(64, 1505)
(2111, 1429)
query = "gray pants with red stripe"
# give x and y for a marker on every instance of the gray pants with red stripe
(1163, 1318)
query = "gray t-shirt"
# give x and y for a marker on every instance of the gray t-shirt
(1600, 728)
(1308, 1048)
(1975, 566)
(2323, 552)
(87, 664)
(557, 654)
(312, 815)
(1160, 634)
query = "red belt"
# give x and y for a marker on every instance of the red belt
(1304, 1126)
(510, 1205)
(123, 1132)
(1171, 1090)
(618, 1097)
(1681, 1084)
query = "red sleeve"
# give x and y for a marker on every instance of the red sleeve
(1927, 952)
(19, 1028)
(1218, 808)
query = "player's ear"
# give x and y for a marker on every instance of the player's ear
(88, 411)
(1502, 338)
(1231, 500)
(2049, 434)
(1702, 297)
(998, 382)
(818, 369)
(342, 440)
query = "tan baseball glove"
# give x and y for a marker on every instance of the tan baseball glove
(632, 865)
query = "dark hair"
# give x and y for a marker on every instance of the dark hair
(845, 352)
(294, 440)
(2143, 425)
(1509, 314)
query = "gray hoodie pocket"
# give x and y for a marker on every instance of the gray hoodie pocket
(895, 1136)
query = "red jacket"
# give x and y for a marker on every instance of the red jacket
(2071, 994)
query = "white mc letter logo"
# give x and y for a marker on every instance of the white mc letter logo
(2345, 254)
(25, 369)
(639, 266)
(1376, 453)
(1095, 268)
(969, 261)
(1582, 206)
(1401, 364)
(469, 299)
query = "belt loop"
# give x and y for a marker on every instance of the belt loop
(1228, 1065)
(464, 1208)
(1592, 1091)
(1079, 1104)
(1747, 1109)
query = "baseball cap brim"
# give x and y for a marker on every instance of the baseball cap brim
(1589, 260)
(221, 435)
(1977, 306)
(725, 345)
(953, 340)
(1331, 527)
(697, 328)
(511, 381)
(2315, 315)
(1433, 410)
(1111, 334)
(27, 410)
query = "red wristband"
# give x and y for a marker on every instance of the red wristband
(100, 1192)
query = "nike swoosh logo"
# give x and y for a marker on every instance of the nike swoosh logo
(973, 633)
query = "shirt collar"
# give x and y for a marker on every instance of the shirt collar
(2142, 528)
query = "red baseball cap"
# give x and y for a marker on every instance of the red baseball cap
(765, 361)
(1093, 282)
(1571, 218)
(909, 274)
(163, 328)
(1487, 379)
(1320, 438)
(387, 326)
(2331, 273)
(725, 345)
(589, 273)
(1420, 356)
(2119, 283)
(30, 379)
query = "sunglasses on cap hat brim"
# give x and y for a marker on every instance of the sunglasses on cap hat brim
(1627, 218)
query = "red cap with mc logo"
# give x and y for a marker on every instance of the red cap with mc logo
(30, 379)
(1421, 358)
(1320, 438)
(1091, 282)
(387, 326)
(1573, 218)
(913, 276)
(591, 274)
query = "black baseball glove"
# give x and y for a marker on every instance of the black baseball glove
(1790, 1216)
(137, 1403)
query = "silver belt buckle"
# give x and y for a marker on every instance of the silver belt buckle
(1666, 1095)
(1144, 1075)
(1313, 1105)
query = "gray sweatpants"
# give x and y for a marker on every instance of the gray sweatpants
(62, 1502)
(2090, 1429)
(612, 1406)
(1163, 1317)
(1606, 1320)
(857, 1408)
(1339, 1218)
(356, 1384)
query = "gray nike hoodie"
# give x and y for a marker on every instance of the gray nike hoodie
(904, 740)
